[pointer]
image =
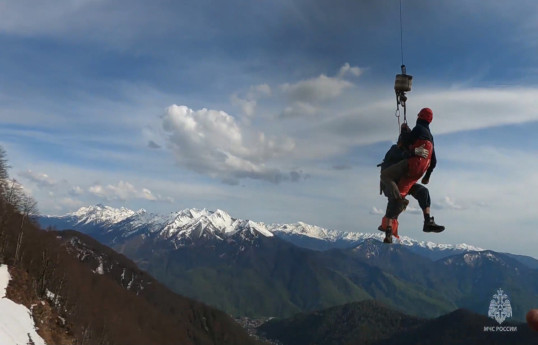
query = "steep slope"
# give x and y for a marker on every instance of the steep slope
(480, 274)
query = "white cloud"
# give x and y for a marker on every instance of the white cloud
(316, 90)
(68, 203)
(476, 108)
(306, 97)
(377, 211)
(41, 179)
(298, 109)
(346, 69)
(451, 203)
(364, 119)
(122, 191)
(64, 191)
(260, 90)
(249, 101)
(76, 190)
(414, 210)
(248, 106)
(211, 142)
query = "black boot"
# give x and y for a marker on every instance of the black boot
(388, 235)
(430, 226)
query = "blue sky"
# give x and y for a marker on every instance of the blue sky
(276, 111)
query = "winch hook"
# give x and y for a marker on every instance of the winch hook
(402, 84)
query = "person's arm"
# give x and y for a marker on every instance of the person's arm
(433, 163)
(393, 155)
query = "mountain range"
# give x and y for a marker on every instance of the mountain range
(113, 224)
(248, 268)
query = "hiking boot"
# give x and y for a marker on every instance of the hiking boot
(388, 235)
(430, 226)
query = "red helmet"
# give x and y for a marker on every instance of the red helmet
(426, 114)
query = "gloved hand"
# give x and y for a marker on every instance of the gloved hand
(405, 128)
(425, 180)
(421, 151)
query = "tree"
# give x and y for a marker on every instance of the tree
(28, 208)
(4, 166)
(13, 200)
(10, 199)
(3, 179)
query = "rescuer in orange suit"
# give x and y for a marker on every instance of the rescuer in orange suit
(399, 178)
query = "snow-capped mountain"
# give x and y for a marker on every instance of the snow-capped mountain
(256, 269)
(194, 223)
(100, 214)
(117, 224)
(317, 238)
(104, 222)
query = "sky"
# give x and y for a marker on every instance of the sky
(275, 111)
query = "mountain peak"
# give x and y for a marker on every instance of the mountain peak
(194, 223)
(101, 214)
(477, 258)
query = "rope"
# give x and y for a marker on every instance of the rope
(401, 33)
(400, 96)
(405, 115)
(397, 114)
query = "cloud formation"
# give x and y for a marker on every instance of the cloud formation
(376, 211)
(211, 142)
(40, 179)
(306, 97)
(122, 191)
(451, 203)
(249, 100)
(65, 193)
(317, 89)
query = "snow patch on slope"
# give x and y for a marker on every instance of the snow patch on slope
(16, 323)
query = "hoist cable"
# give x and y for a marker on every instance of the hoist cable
(401, 33)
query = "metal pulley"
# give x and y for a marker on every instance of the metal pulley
(403, 82)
